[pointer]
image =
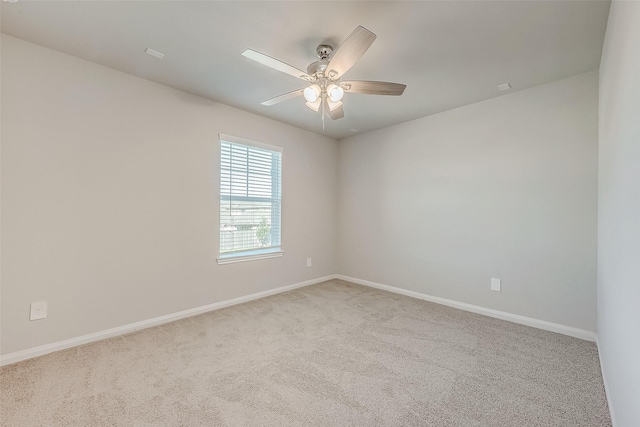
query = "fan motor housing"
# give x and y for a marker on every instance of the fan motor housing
(323, 51)
(317, 67)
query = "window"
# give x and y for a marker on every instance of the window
(250, 200)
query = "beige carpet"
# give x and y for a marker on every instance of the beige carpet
(332, 354)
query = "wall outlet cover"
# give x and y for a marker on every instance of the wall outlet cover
(495, 285)
(38, 310)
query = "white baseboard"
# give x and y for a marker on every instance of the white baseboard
(606, 386)
(515, 318)
(29, 353)
(18, 356)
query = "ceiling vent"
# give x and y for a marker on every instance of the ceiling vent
(155, 53)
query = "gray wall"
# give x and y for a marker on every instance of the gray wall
(619, 213)
(109, 199)
(504, 188)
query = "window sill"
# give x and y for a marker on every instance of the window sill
(249, 256)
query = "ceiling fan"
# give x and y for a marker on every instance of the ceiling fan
(325, 89)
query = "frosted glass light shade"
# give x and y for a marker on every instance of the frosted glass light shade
(335, 92)
(311, 93)
(315, 106)
(333, 105)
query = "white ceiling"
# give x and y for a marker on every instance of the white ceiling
(448, 53)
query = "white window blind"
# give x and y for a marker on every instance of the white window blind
(250, 197)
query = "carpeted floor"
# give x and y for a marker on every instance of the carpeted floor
(331, 354)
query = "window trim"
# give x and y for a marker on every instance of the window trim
(250, 255)
(257, 253)
(237, 140)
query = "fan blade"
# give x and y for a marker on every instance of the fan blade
(336, 114)
(350, 51)
(282, 98)
(373, 88)
(275, 64)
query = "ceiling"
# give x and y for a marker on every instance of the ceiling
(448, 53)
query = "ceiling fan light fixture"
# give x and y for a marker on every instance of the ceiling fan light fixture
(333, 105)
(311, 93)
(315, 106)
(335, 92)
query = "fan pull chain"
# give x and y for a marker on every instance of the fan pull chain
(323, 102)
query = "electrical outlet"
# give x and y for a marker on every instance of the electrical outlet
(38, 310)
(495, 285)
(308, 262)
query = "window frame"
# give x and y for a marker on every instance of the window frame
(254, 253)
